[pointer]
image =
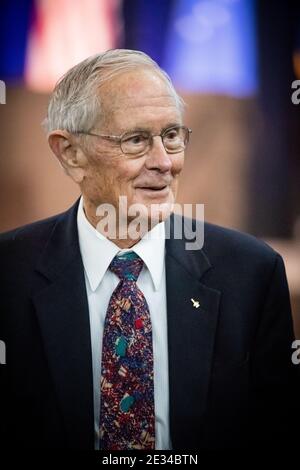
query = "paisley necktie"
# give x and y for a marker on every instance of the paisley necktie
(127, 419)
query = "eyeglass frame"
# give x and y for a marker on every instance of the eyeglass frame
(118, 138)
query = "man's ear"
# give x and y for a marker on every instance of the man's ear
(69, 154)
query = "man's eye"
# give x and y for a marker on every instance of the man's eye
(135, 139)
(172, 134)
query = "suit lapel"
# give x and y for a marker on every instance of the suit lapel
(191, 334)
(62, 311)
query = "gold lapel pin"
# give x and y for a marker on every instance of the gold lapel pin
(195, 303)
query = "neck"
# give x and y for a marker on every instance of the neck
(118, 234)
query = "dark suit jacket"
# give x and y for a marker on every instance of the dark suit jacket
(232, 382)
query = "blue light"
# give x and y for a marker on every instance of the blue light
(211, 47)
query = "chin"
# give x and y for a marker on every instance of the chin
(160, 213)
(148, 215)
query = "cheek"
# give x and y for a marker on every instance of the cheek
(100, 181)
(127, 172)
(106, 168)
(117, 178)
(178, 163)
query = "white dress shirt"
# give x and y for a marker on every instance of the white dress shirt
(97, 253)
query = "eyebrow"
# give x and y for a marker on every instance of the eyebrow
(148, 129)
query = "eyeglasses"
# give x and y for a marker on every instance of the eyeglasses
(136, 144)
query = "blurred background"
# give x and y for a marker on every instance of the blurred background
(233, 61)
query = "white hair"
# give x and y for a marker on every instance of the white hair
(75, 104)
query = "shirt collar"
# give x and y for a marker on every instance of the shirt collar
(97, 251)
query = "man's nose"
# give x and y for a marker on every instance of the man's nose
(157, 157)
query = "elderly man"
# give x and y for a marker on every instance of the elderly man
(123, 342)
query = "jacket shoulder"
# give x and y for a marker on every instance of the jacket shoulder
(242, 252)
(22, 246)
(32, 231)
(235, 240)
(219, 241)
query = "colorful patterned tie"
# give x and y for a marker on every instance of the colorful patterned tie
(127, 419)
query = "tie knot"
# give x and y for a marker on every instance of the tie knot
(127, 266)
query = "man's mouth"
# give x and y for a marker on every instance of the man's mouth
(154, 188)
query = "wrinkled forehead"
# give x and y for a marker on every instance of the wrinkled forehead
(135, 88)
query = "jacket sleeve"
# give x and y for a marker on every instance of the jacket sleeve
(275, 379)
(3, 386)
